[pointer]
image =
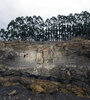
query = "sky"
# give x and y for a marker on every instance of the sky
(10, 9)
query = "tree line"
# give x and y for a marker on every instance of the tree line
(53, 29)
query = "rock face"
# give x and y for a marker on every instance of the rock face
(38, 85)
(63, 60)
(45, 69)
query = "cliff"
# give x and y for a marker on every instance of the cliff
(58, 59)
(45, 56)
(67, 64)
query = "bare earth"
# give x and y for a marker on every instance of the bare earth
(23, 94)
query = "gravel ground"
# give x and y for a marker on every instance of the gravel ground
(23, 94)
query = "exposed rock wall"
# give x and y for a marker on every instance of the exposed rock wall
(64, 60)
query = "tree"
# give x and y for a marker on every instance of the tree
(53, 29)
(3, 34)
(11, 30)
(47, 30)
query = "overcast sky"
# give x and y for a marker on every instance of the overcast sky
(10, 9)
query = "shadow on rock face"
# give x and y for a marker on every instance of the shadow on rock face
(61, 73)
(2, 53)
(10, 55)
(79, 76)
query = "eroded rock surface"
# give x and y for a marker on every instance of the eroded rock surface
(46, 68)
(46, 58)
(39, 85)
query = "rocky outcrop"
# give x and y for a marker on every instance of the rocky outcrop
(39, 84)
(66, 61)
(45, 68)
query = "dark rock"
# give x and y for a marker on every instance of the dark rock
(10, 55)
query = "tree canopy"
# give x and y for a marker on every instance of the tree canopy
(53, 29)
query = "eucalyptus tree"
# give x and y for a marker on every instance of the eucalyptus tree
(53, 29)
(38, 26)
(16, 29)
(12, 31)
(47, 30)
(59, 26)
(53, 22)
(21, 28)
(30, 29)
(85, 16)
(3, 35)
(88, 31)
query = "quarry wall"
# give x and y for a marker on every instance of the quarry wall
(65, 60)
